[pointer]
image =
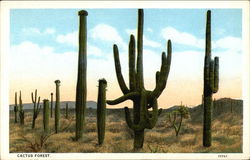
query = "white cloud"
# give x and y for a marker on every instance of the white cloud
(95, 51)
(150, 43)
(149, 30)
(230, 43)
(69, 38)
(49, 31)
(182, 37)
(107, 33)
(146, 41)
(37, 32)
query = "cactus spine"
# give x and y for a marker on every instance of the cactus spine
(51, 105)
(67, 111)
(211, 83)
(142, 98)
(81, 87)
(36, 108)
(16, 107)
(46, 115)
(21, 111)
(57, 106)
(101, 110)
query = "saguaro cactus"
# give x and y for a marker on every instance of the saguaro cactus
(211, 83)
(46, 115)
(51, 105)
(101, 110)
(142, 99)
(16, 108)
(67, 111)
(21, 111)
(81, 87)
(36, 108)
(57, 106)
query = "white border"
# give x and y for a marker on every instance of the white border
(4, 83)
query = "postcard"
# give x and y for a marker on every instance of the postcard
(125, 80)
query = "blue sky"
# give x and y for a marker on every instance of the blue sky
(64, 21)
(46, 41)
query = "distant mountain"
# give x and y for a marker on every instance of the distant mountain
(90, 104)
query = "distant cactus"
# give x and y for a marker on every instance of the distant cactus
(36, 108)
(101, 110)
(142, 99)
(67, 111)
(51, 105)
(182, 112)
(211, 84)
(46, 115)
(16, 108)
(21, 111)
(57, 106)
(81, 87)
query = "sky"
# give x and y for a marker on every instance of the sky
(44, 47)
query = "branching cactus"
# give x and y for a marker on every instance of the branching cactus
(142, 99)
(51, 105)
(57, 106)
(211, 84)
(175, 122)
(67, 111)
(46, 115)
(16, 108)
(81, 87)
(36, 108)
(21, 111)
(101, 110)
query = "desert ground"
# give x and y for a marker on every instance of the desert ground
(226, 133)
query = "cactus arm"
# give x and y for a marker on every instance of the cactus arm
(121, 99)
(15, 98)
(216, 75)
(157, 76)
(119, 76)
(128, 117)
(163, 75)
(32, 97)
(152, 119)
(211, 75)
(20, 101)
(139, 77)
(132, 75)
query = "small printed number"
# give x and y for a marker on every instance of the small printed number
(222, 156)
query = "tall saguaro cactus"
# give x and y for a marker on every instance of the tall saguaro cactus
(51, 105)
(211, 83)
(36, 108)
(101, 110)
(81, 87)
(21, 111)
(57, 106)
(46, 115)
(142, 99)
(16, 107)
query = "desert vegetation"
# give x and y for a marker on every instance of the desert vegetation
(226, 132)
(212, 126)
